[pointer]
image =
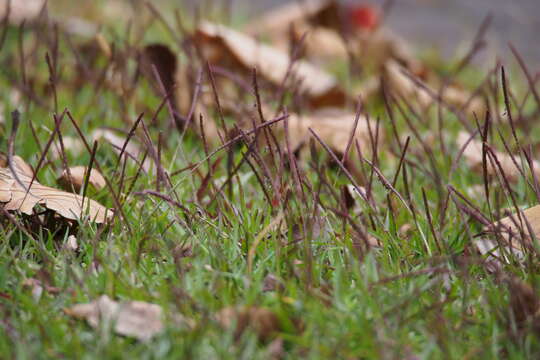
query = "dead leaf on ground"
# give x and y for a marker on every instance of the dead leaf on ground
(334, 127)
(221, 45)
(132, 151)
(514, 229)
(37, 287)
(402, 86)
(512, 233)
(164, 60)
(14, 197)
(137, 319)
(74, 178)
(473, 156)
(280, 18)
(261, 320)
(21, 10)
(19, 164)
(332, 30)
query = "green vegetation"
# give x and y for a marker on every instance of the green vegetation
(227, 226)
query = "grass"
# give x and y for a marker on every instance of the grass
(424, 293)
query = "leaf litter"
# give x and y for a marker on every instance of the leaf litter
(137, 319)
(302, 33)
(26, 196)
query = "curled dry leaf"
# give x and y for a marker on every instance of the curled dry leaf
(280, 18)
(164, 60)
(258, 319)
(137, 319)
(21, 10)
(514, 229)
(403, 86)
(221, 45)
(334, 127)
(316, 23)
(513, 234)
(37, 287)
(15, 197)
(74, 178)
(472, 154)
(318, 43)
(19, 164)
(332, 30)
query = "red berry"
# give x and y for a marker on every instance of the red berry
(365, 17)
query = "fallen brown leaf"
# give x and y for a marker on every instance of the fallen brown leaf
(513, 235)
(221, 45)
(164, 60)
(258, 319)
(21, 10)
(74, 178)
(332, 126)
(512, 227)
(37, 287)
(473, 156)
(19, 164)
(15, 197)
(137, 319)
(332, 30)
(402, 86)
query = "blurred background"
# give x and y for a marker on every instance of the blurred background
(448, 26)
(444, 27)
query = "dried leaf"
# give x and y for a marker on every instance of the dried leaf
(473, 156)
(512, 227)
(21, 10)
(320, 43)
(513, 234)
(402, 86)
(37, 287)
(258, 319)
(335, 129)
(19, 164)
(74, 179)
(334, 29)
(164, 61)
(70, 206)
(332, 126)
(137, 319)
(221, 45)
(279, 19)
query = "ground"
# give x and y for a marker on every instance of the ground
(395, 277)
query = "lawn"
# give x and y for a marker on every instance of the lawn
(262, 241)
